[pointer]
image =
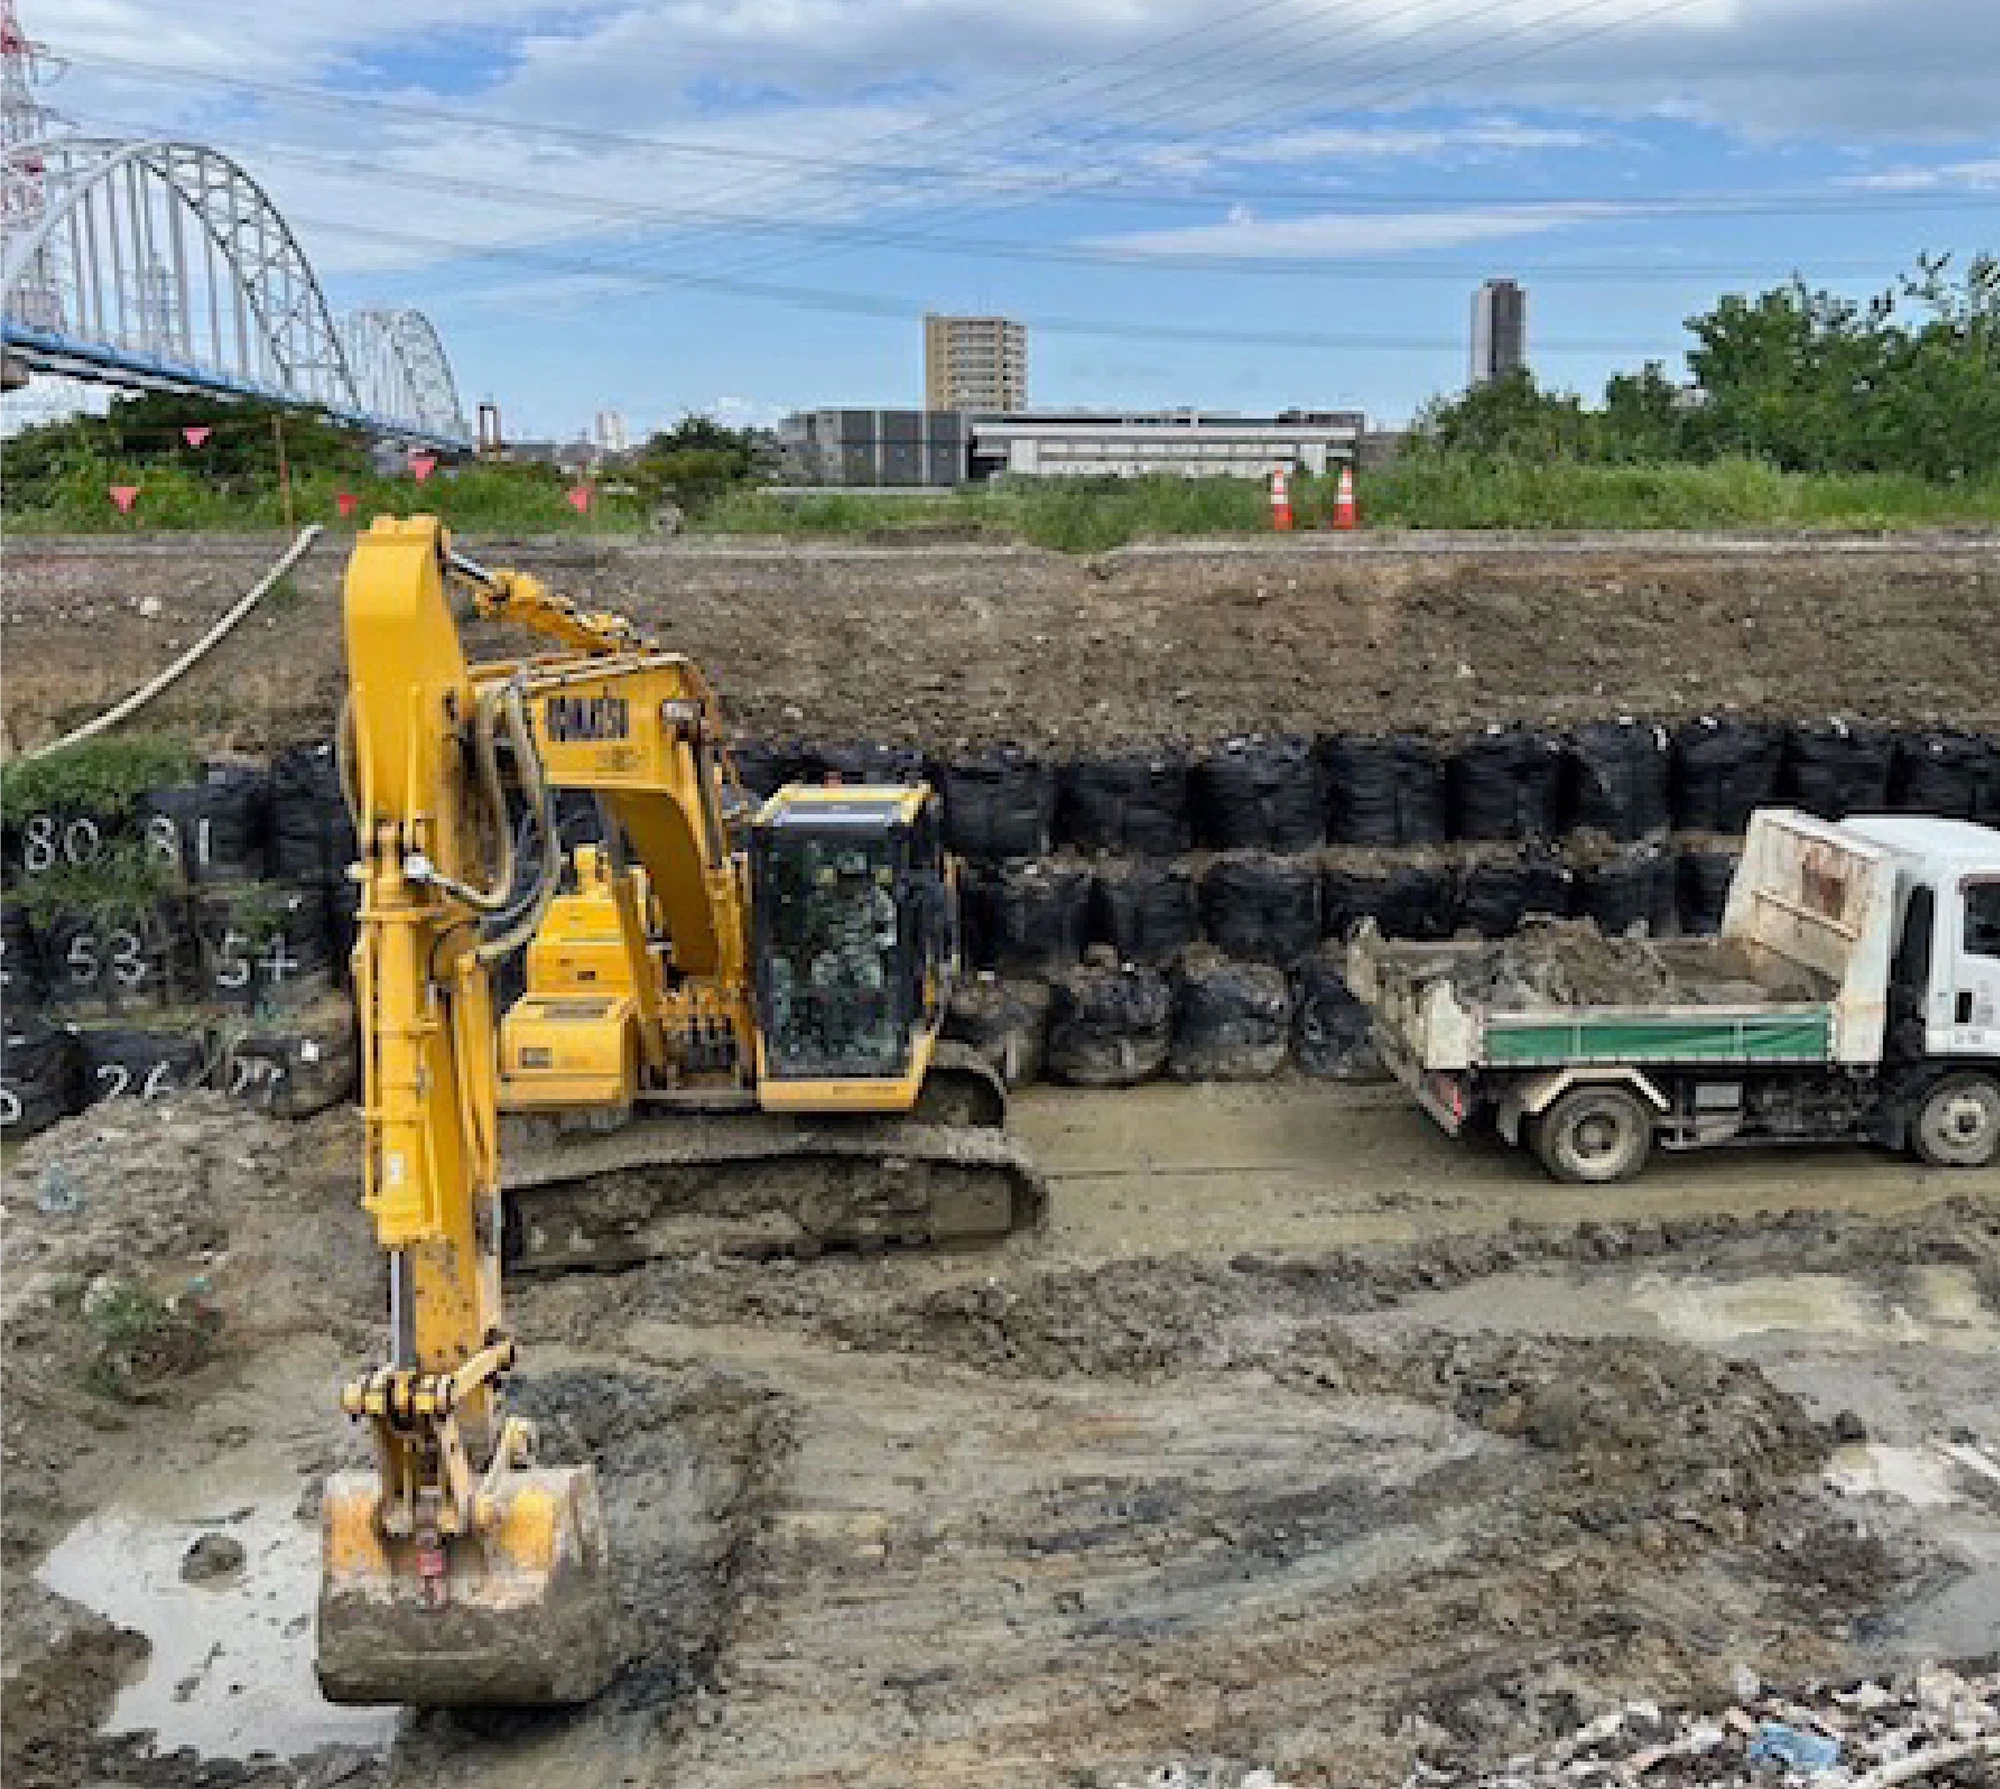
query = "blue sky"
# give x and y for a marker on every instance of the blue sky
(743, 206)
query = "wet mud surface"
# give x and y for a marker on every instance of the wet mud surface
(1300, 1438)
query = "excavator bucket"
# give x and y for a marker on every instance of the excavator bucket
(522, 1617)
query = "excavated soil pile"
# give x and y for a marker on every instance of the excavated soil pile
(1565, 962)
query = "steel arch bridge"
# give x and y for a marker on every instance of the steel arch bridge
(161, 265)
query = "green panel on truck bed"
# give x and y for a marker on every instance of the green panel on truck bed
(1522, 1042)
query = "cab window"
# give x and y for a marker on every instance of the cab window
(1982, 919)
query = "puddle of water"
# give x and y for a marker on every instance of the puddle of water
(1923, 1476)
(1945, 1311)
(231, 1667)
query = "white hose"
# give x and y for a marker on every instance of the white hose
(194, 654)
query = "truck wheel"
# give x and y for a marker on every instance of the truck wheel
(1594, 1135)
(1958, 1125)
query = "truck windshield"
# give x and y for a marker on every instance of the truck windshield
(831, 930)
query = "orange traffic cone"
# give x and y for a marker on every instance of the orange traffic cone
(1281, 498)
(1343, 499)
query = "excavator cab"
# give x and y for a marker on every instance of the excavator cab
(853, 936)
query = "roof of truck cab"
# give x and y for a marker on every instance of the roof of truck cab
(1960, 843)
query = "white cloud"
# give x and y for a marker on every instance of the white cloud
(1348, 235)
(1966, 176)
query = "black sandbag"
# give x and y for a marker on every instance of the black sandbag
(1332, 1031)
(1006, 1021)
(63, 836)
(1702, 879)
(1833, 769)
(1635, 888)
(261, 945)
(1134, 802)
(1620, 778)
(1259, 792)
(998, 804)
(764, 767)
(1384, 790)
(1951, 776)
(1723, 770)
(340, 910)
(113, 961)
(312, 838)
(1110, 1024)
(213, 830)
(1034, 916)
(123, 1063)
(1496, 896)
(39, 1080)
(21, 983)
(861, 761)
(1507, 783)
(1261, 907)
(1419, 901)
(1232, 1021)
(306, 1064)
(1145, 908)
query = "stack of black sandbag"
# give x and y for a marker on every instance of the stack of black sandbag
(1507, 783)
(998, 804)
(1620, 778)
(1110, 1024)
(1951, 775)
(1005, 1021)
(1032, 917)
(1232, 1021)
(1496, 894)
(1145, 908)
(1384, 790)
(1133, 802)
(1834, 769)
(1723, 771)
(1331, 1029)
(1259, 793)
(1261, 907)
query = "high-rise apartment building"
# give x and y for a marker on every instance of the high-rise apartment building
(1499, 330)
(975, 363)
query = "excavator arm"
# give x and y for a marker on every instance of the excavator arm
(457, 1571)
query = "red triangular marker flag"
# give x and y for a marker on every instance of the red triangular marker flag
(344, 501)
(124, 496)
(579, 498)
(422, 465)
(196, 433)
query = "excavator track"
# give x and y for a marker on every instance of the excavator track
(755, 1183)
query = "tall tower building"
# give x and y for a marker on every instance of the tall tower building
(975, 363)
(1499, 330)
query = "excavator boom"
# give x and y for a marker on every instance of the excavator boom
(457, 1571)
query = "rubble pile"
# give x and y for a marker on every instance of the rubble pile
(1565, 962)
(1934, 1727)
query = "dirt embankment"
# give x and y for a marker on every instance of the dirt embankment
(939, 646)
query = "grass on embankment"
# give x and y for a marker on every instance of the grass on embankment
(1080, 515)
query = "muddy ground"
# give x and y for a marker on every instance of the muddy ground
(1302, 1438)
(941, 646)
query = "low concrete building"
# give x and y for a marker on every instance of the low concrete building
(1191, 443)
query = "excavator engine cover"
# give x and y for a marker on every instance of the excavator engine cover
(522, 1617)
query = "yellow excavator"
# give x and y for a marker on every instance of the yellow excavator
(729, 1027)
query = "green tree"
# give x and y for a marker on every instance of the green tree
(1509, 418)
(698, 461)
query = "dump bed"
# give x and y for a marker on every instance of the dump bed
(1798, 975)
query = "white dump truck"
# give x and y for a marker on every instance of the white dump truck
(1853, 993)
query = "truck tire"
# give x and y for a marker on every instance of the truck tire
(1958, 1123)
(1593, 1136)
